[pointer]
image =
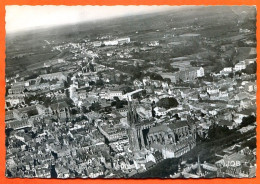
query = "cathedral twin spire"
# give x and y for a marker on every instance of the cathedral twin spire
(132, 116)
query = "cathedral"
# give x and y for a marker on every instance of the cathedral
(172, 139)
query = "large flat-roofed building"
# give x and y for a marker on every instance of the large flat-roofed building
(14, 99)
(119, 41)
(16, 90)
(172, 76)
(112, 94)
(113, 133)
(123, 40)
(111, 42)
(18, 124)
(51, 76)
(185, 74)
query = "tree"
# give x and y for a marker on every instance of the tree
(193, 63)
(153, 112)
(248, 121)
(84, 109)
(250, 69)
(239, 73)
(217, 132)
(137, 74)
(168, 80)
(177, 116)
(167, 103)
(47, 101)
(113, 103)
(100, 82)
(119, 104)
(208, 77)
(251, 144)
(137, 44)
(91, 83)
(91, 67)
(127, 90)
(95, 106)
(155, 76)
(74, 111)
(230, 75)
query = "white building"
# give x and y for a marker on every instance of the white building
(240, 66)
(110, 43)
(212, 90)
(226, 71)
(97, 44)
(123, 40)
(153, 43)
(223, 95)
(112, 94)
(200, 72)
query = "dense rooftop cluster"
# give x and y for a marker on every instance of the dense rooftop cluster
(115, 107)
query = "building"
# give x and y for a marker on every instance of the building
(110, 42)
(131, 95)
(200, 72)
(153, 43)
(187, 74)
(240, 66)
(18, 124)
(97, 44)
(173, 77)
(52, 76)
(212, 90)
(145, 112)
(61, 110)
(16, 90)
(226, 71)
(122, 41)
(112, 94)
(42, 110)
(250, 86)
(113, 133)
(14, 99)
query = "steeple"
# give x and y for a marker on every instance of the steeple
(129, 113)
(132, 116)
(199, 172)
(136, 117)
(132, 119)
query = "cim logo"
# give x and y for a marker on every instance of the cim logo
(231, 163)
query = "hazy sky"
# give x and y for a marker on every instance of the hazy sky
(28, 17)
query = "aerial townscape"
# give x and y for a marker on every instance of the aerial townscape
(169, 94)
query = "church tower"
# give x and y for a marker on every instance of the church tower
(199, 172)
(132, 119)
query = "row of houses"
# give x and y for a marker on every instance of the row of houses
(119, 41)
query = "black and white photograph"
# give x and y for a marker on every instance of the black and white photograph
(130, 91)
